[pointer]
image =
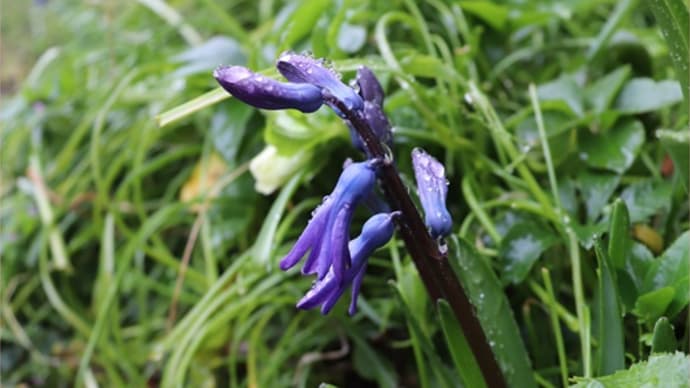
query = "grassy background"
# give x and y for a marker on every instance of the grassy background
(137, 254)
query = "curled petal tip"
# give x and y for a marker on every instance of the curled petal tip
(302, 68)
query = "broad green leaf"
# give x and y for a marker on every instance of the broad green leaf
(653, 304)
(493, 310)
(646, 198)
(565, 88)
(661, 370)
(611, 345)
(619, 235)
(614, 150)
(671, 269)
(638, 265)
(677, 144)
(600, 94)
(672, 17)
(596, 189)
(228, 126)
(465, 363)
(640, 95)
(664, 338)
(292, 132)
(521, 247)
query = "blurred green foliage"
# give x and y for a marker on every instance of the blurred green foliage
(111, 276)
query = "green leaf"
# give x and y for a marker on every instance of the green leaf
(565, 88)
(302, 21)
(596, 189)
(677, 144)
(263, 246)
(652, 305)
(465, 363)
(640, 95)
(521, 247)
(614, 150)
(646, 198)
(671, 269)
(611, 345)
(664, 338)
(493, 310)
(619, 235)
(662, 370)
(368, 363)
(672, 17)
(491, 13)
(601, 93)
(228, 126)
(291, 131)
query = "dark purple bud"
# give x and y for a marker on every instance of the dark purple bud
(369, 86)
(379, 124)
(305, 69)
(266, 93)
(432, 188)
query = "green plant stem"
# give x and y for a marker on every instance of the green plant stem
(556, 327)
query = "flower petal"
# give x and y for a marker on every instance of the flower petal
(369, 86)
(266, 93)
(305, 69)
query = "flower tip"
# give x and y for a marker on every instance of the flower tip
(231, 74)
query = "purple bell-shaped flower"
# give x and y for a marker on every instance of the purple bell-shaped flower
(325, 292)
(327, 234)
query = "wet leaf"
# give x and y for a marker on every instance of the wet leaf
(663, 370)
(596, 189)
(614, 150)
(600, 94)
(493, 310)
(646, 198)
(671, 269)
(521, 247)
(664, 339)
(565, 88)
(641, 95)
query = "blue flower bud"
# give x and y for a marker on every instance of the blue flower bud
(305, 69)
(266, 93)
(432, 188)
(376, 232)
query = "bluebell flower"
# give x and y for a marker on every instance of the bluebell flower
(325, 292)
(327, 234)
(266, 93)
(306, 69)
(432, 188)
(371, 91)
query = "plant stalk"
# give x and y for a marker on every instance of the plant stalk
(433, 266)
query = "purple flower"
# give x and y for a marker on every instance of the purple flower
(326, 292)
(372, 93)
(432, 188)
(327, 234)
(266, 93)
(305, 69)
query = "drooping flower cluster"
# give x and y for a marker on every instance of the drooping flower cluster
(337, 261)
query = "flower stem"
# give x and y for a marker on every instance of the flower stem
(433, 266)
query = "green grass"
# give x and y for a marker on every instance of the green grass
(557, 123)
